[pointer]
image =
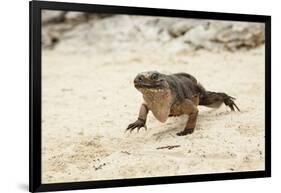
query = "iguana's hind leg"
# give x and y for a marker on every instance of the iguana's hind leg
(215, 99)
(188, 107)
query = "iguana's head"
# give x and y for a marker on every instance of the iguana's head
(151, 82)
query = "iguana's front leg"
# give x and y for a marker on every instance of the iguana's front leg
(141, 119)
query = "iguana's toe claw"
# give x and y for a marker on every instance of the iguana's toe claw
(131, 127)
(186, 131)
(137, 124)
(229, 102)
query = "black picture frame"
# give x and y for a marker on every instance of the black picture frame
(35, 8)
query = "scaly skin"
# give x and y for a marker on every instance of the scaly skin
(174, 95)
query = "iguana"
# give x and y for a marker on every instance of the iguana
(175, 95)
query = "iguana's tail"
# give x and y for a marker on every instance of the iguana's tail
(215, 99)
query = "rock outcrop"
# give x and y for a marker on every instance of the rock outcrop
(103, 32)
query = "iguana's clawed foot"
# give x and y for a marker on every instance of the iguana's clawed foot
(186, 131)
(230, 102)
(137, 124)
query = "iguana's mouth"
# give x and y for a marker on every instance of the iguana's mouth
(148, 85)
(150, 81)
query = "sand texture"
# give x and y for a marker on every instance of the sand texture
(89, 99)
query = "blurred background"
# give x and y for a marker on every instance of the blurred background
(124, 33)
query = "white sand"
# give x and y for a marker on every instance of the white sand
(89, 100)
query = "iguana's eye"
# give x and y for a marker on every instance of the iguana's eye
(154, 76)
(140, 78)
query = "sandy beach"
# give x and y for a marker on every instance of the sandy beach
(88, 101)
